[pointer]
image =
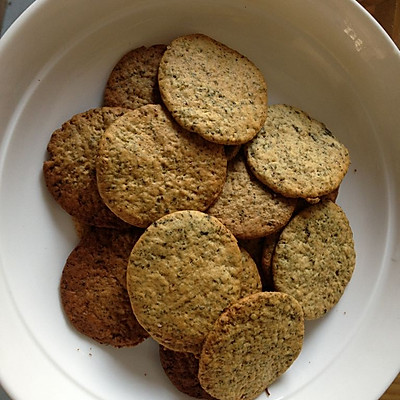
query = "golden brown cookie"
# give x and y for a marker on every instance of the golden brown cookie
(212, 90)
(314, 258)
(148, 166)
(251, 280)
(70, 171)
(297, 156)
(253, 342)
(93, 288)
(248, 208)
(133, 81)
(183, 271)
(182, 370)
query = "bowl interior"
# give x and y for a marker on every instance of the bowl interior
(314, 56)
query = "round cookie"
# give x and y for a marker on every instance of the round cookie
(212, 90)
(253, 342)
(183, 272)
(133, 81)
(251, 280)
(314, 258)
(70, 171)
(248, 208)
(148, 166)
(93, 288)
(297, 156)
(182, 369)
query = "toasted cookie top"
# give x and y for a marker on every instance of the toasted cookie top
(212, 90)
(182, 370)
(70, 171)
(297, 156)
(149, 166)
(183, 271)
(253, 342)
(247, 207)
(93, 288)
(314, 258)
(133, 81)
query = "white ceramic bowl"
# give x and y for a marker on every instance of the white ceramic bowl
(328, 58)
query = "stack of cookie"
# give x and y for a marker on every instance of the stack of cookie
(206, 217)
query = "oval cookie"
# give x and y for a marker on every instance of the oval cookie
(314, 258)
(148, 166)
(93, 288)
(248, 208)
(212, 90)
(182, 273)
(297, 156)
(252, 343)
(133, 81)
(70, 171)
